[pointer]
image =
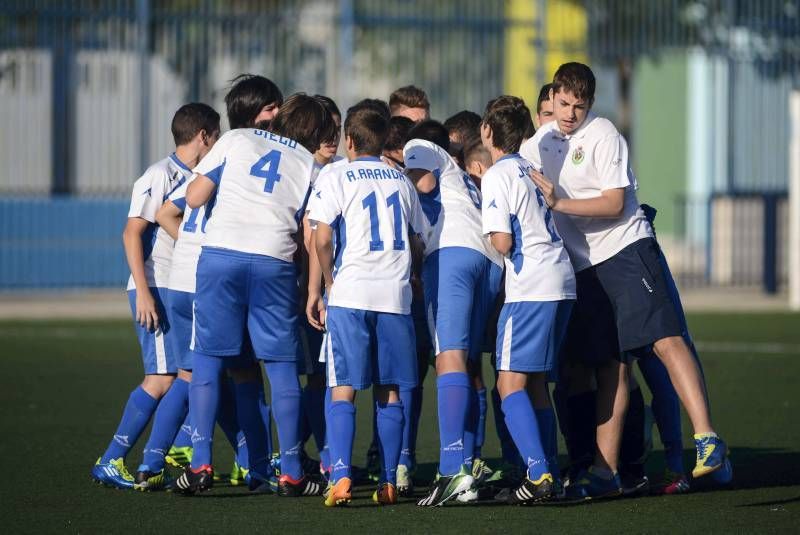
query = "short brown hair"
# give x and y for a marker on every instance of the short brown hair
(509, 119)
(475, 151)
(399, 127)
(304, 119)
(575, 78)
(409, 96)
(367, 127)
(190, 119)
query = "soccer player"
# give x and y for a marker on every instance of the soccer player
(375, 215)
(463, 129)
(623, 304)
(544, 107)
(539, 292)
(253, 100)
(148, 249)
(461, 278)
(247, 286)
(392, 154)
(410, 101)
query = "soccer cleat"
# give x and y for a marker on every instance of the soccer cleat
(146, 480)
(339, 493)
(374, 462)
(179, 457)
(481, 471)
(711, 454)
(275, 463)
(405, 485)
(192, 481)
(471, 495)
(633, 485)
(508, 476)
(589, 486)
(261, 485)
(531, 491)
(305, 486)
(238, 475)
(386, 494)
(724, 475)
(674, 483)
(112, 474)
(445, 488)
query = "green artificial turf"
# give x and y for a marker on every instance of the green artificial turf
(63, 386)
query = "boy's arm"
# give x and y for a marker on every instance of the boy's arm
(496, 213)
(169, 217)
(608, 204)
(146, 313)
(323, 243)
(200, 191)
(315, 306)
(502, 242)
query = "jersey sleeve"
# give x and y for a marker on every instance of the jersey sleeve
(213, 163)
(419, 154)
(611, 162)
(495, 209)
(149, 193)
(178, 195)
(530, 151)
(416, 217)
(324, 205)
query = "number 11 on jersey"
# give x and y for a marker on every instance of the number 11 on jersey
(392, 201)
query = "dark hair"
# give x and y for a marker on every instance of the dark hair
(474, 150)
(544, 96)
(248, 95)
(464, 126)
(376, 104)
(433, 131)
(508, 117)
(367, 126)
(409, 96)
(304, 119)
(575, 78)
(399, 127)
(192, 118)
(333, 109)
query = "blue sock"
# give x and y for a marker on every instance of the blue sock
(137, 413)
(522, 424)
(325, 454)
(471, 427)
(266, 413)
(480, 434)
(249, 417)
(305, 417)
(390, 435)
(204, 394)
(315, 414)
(171, 412)
(507, 448)
(286, 406)
(454, 391)
(226, 413)
(416, 414)
(407, 399)
(184, 437)
(546, 418)
(666, 410)
(342, 425)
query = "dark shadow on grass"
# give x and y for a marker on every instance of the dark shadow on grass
(772, 502)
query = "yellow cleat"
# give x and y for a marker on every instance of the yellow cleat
(386, 494)
(340, 493)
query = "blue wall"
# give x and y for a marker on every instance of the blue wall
(62, 242)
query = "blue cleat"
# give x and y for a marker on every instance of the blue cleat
(712, 453)
(113, 474)
(590, 486)
(724, 475)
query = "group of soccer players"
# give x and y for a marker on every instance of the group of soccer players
(429, 242)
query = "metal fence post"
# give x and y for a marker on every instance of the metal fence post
(63, 104)
(347, 22)
(143, 51)
(770, 243)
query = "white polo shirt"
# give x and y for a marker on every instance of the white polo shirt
(582, 165)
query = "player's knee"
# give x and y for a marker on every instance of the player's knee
(157, 385)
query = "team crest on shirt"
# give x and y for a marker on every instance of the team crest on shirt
(577, 156)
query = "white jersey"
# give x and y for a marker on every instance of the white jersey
(538, 267)
(182, 273)
(319, 167)
(453, 208)
(370, 207)
(263, 182)
(582, 165)
(150, 191)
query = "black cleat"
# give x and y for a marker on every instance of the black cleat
(191, 481)
(310, 485)
(530, 491)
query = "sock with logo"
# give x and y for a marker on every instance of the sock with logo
(407, 399)
(286, 402)
(204, 393)
(342, 425)
(471, 427)
(416, 413)
(169, 415)
(453, 392)
(480, 434)
(507, 448)
(266, 412)
(390, 436)
(255, 434)
(184, 437)
(325, 454)
(666, 410)
(137, 413)
(524, 429)
(546, 418)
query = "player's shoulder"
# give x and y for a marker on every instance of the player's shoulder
(161, 171)
(425, 154)
(599, 127)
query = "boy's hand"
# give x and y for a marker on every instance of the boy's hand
(315, 311)
(146, 314)
(546, 187)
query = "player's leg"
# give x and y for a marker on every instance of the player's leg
(110, 467)
(634, 447)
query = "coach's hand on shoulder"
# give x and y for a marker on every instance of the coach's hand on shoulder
(315, 311)
(546, 187)
(146, 313)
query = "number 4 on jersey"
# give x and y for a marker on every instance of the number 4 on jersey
(267, 168)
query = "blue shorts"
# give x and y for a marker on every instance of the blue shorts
(179, 310)
(157, 355)
(461, 286)
(529, 335)
(363, 348)
(308, 359)
(239, 293)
